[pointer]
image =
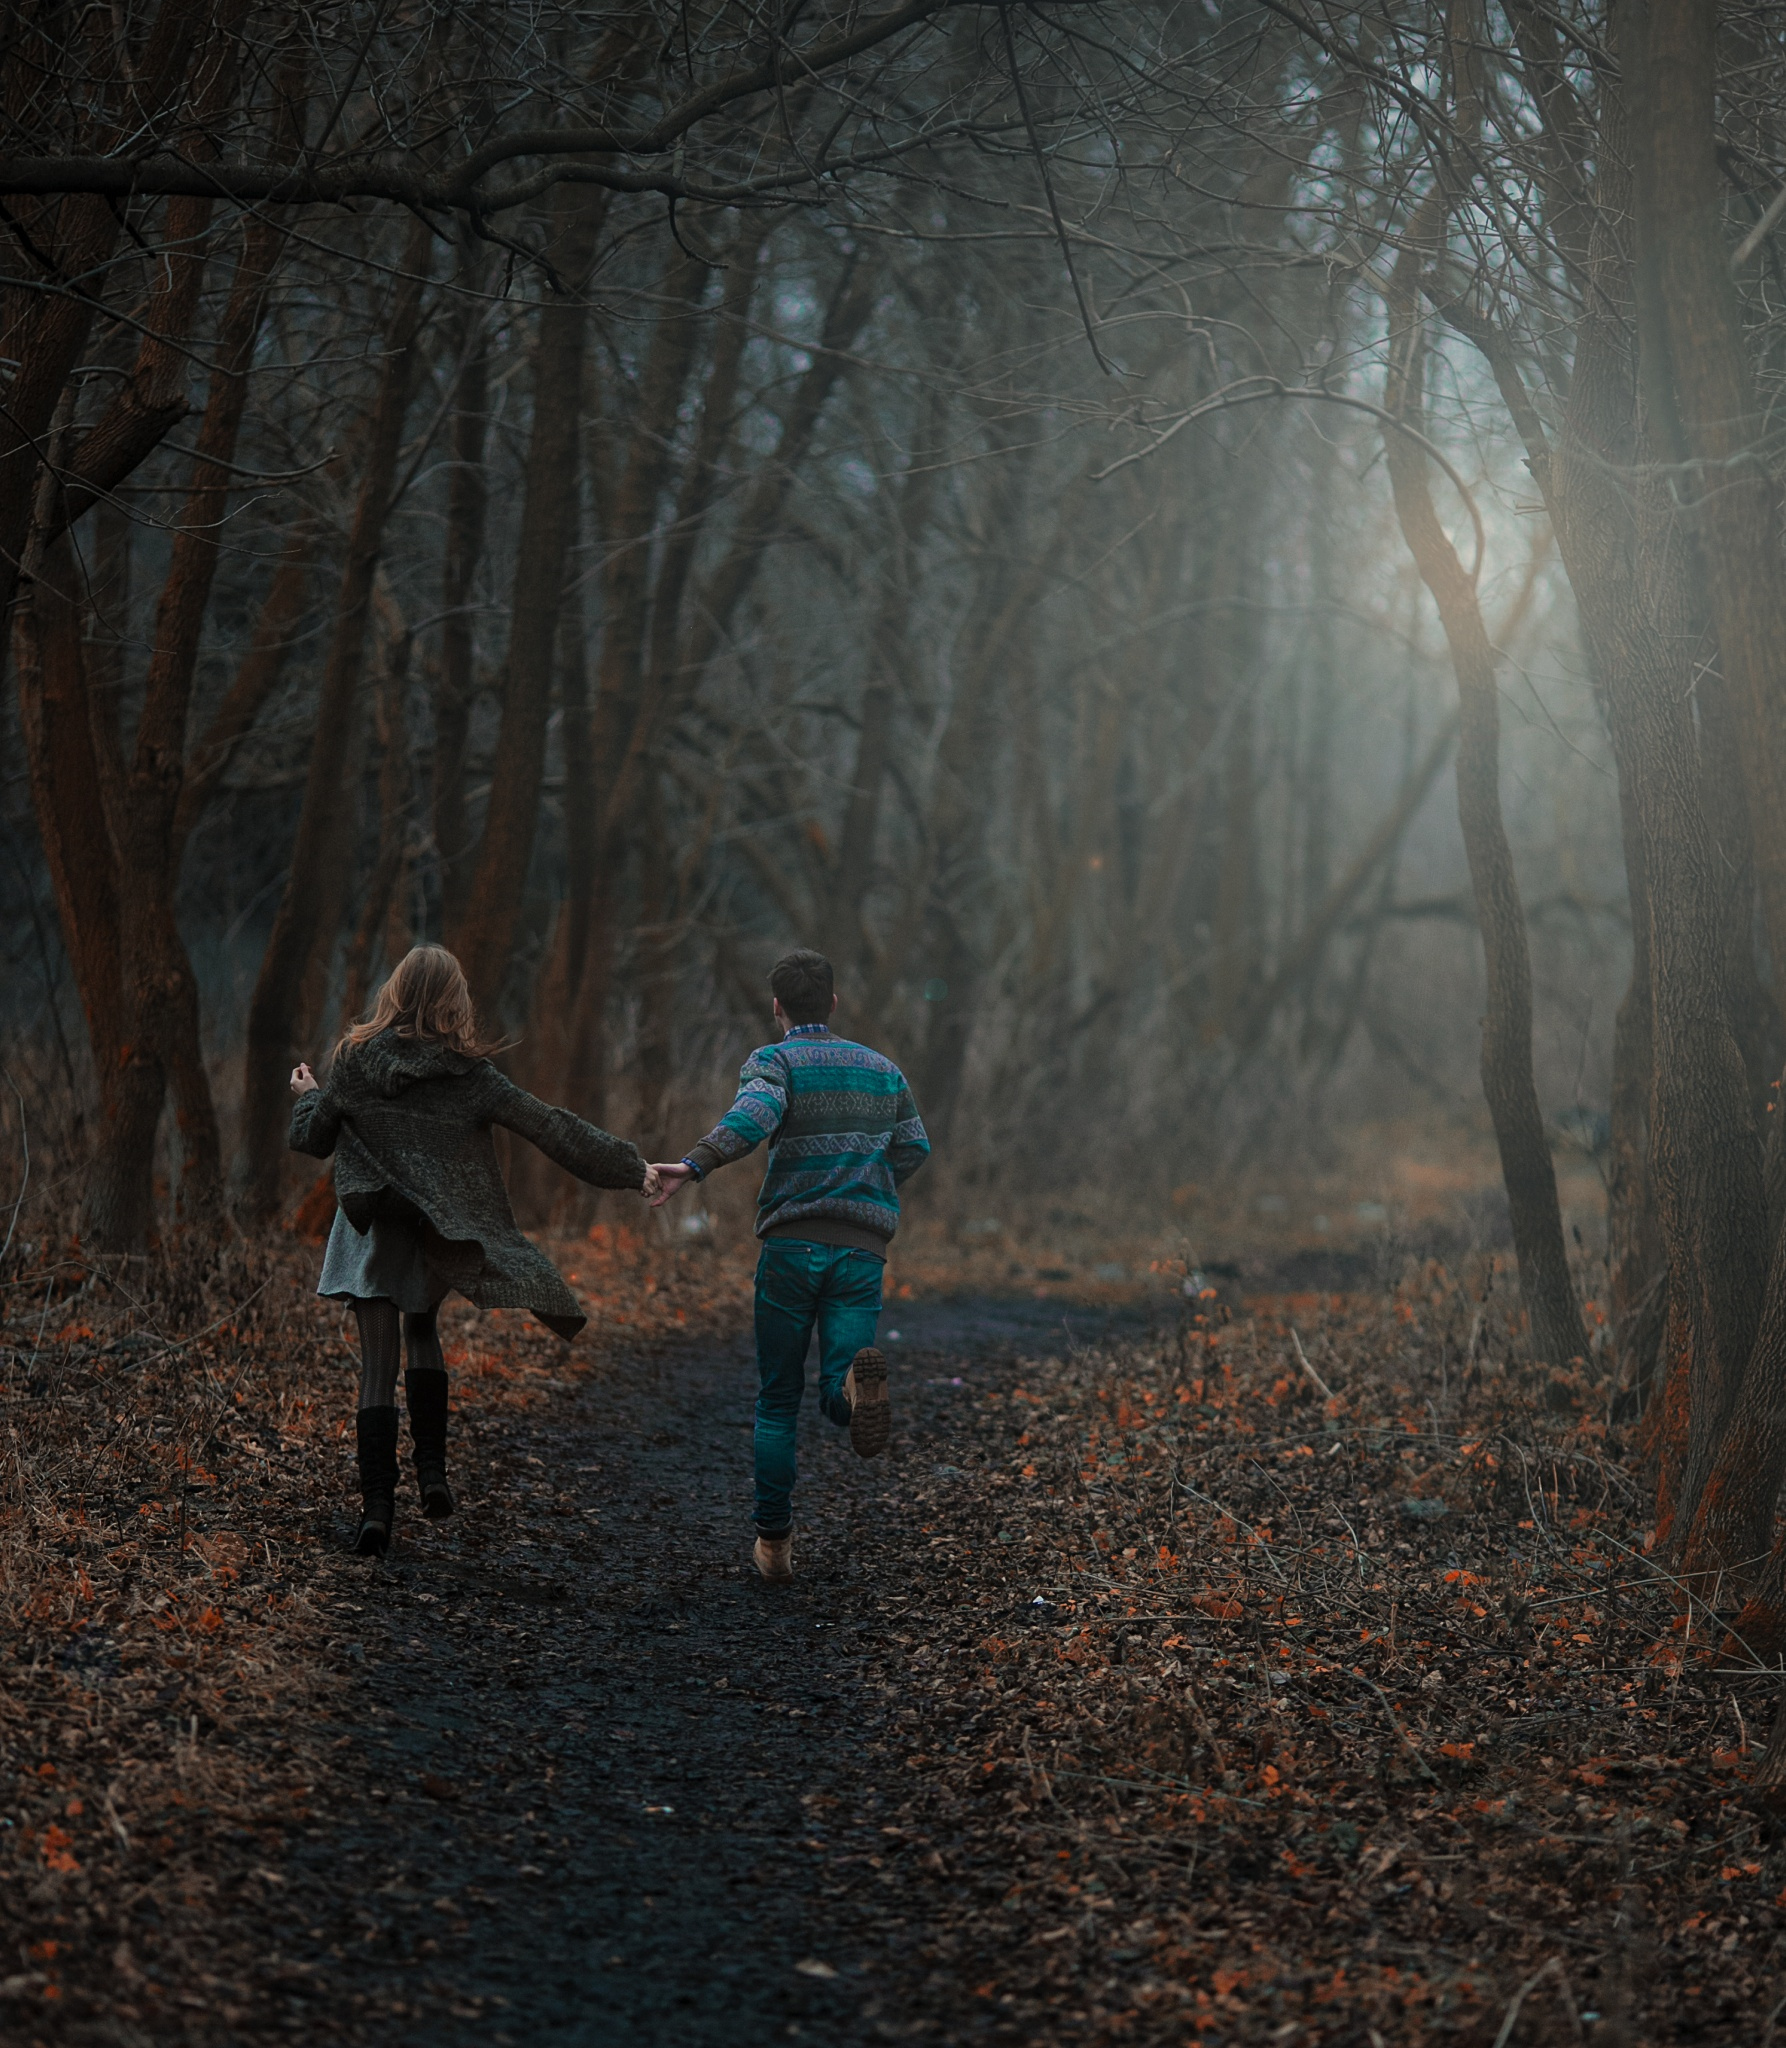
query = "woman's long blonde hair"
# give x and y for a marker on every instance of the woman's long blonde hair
(426, 997)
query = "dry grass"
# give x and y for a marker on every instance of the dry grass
(1344, 1710)
(1262, 1711)
(174, 1493)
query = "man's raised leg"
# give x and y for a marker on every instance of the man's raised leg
(852, 1373)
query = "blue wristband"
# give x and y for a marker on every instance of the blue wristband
(694, 1169)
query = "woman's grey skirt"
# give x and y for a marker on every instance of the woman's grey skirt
(387, 1260)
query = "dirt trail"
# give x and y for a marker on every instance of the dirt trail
(1147, 1694)
(618, 1789)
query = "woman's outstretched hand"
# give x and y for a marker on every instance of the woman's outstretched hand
(669, 1180)
(303, 1081)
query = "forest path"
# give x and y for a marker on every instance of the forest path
(620, 1790)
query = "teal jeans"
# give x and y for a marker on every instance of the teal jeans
(801, 1286)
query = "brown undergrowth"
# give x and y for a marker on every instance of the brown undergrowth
(174, 1500)
(1297, 1675)
(1322, 1691)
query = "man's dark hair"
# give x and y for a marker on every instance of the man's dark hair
(802, 984)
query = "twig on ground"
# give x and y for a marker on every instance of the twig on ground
(1209, 1501)
(1511, 2018)
(1326, 1392)
(1407, 1741)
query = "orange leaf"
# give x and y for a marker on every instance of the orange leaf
(56, 1851)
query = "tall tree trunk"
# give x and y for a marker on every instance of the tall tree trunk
(956, 950)
(1620, 538)
(950, 874)
(1316, 799)
(382, 919)
(891, 660)
(1755, 1021)
(1700, 394)
(586, 1063)
(467, 502)
(852, 871)
(484, 935)
(1637, 1257)
(1703, 1154)
(50, 657)
(535, 1183)
(1717, 412)
(579, 776)
(1546, 1287)
(546, 1057)
(632, 511)
(1231, 636)
(659, 944)
(635, 508)
(159, 989)
(157, 993)
(1721, 1434)
(1231, 948)
(303, 929)
(730, 322)
(255, 680)
(1106, 717)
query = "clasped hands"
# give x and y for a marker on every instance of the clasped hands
(671, 1176)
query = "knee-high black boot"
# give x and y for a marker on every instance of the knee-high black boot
(377, 1432)
(426, 1388)
(425, 1384)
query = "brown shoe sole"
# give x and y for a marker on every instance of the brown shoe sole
(871, 1412)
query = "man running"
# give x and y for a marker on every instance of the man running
(844, 1135)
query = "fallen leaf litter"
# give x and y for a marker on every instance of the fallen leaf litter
(1218, 1710)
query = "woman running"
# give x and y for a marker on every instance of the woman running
(407, 1112)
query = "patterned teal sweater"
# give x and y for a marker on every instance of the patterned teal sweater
(843, 1132)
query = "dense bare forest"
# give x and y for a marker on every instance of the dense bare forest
(796, 531)
(1223, 561)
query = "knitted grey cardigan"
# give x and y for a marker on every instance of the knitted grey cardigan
(409, 1125)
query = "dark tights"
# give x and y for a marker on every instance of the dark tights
(381, 1352)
